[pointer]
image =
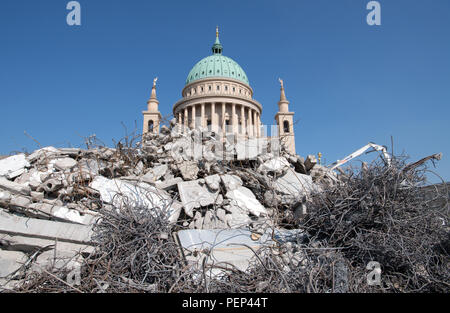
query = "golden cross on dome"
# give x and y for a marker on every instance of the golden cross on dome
(217, 31)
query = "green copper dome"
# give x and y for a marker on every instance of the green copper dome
(217, 65)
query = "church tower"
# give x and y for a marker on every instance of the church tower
(285, 122)
(152, 116)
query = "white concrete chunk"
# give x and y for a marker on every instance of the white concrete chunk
(118, 193)
(16, 225)
(231, 182)
(14, 187)
(274, 165)
(44, 152)
(13, 166)
(213, 182)
(244, 198)
(32, 244)
(11, 261)
(64, 163)
(195, 196)
(155, 173)
(295, 184)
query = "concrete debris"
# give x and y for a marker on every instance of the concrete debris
(11, 262)
(310, 162)
(277, 165)
(188, 169)
(61, 193)
(28, 245)
(16, 225)
(243, 198)
(43, 153)
(231, 182)
(231, 248)
(213, 182)
(155, 173)
(120, 193)
(13, 166)
(168, 184)
(295, 184)
(64, 163)
(193, 195)
(14, 187)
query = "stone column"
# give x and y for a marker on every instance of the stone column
(213, 116)
(223, 117)
(202, 123)
(255, 125)
(185, 117)
(242, 120)
(249, 122)
(180, 126)
(193, 117)
(259, 125)
(233, 118)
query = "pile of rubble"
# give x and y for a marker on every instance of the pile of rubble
(50, 199)
(190, 211)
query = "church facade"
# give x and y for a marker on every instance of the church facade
(217, 95)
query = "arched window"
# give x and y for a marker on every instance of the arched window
(150, 126)
(286, 126)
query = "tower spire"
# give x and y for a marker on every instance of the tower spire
(283, 103)
(153, 101)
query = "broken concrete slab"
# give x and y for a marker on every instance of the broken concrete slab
(45, 152)
(208, 221)
(13, 166)
(28, 244)
(238, 217)
(31, 177)
(295, 184)
(155, 173)
(213, 182)
(20, 201)
(64, 163)
(168, 184)
(119, 193)
(244, 198)
(277, 164)
(5, 196)
(65, 214)
(16, 225)
(14, 187)
(193, 195)
(224, 247)
(11, 262)
(91, 167)
(54, 260)
(231, 182)
(181, 150)
(188, 169)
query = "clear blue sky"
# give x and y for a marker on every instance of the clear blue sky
(349, 83)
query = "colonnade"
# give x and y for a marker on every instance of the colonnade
(242, 120)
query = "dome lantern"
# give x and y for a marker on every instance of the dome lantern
(217, 47)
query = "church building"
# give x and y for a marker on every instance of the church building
(217, 95)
